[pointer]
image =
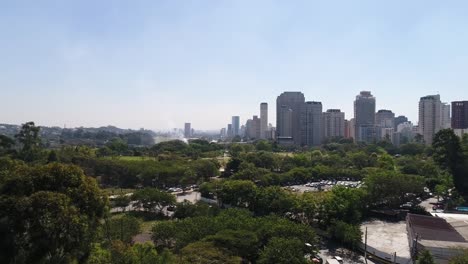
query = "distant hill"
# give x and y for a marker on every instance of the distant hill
(56, 136)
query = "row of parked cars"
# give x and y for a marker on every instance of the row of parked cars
(324, 183)
(184, 189)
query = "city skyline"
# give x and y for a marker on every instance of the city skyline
(133, 65)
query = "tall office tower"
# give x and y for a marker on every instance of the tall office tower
(364, 117)
(288, 108)
(284, 132)
(399, 120)
(235, 126)
(384, 119)
(223, 132)
(333, 123)
(460, 115)
(242, 131)
(187, 130)
(263, 120)
(249, 128)
(347, 133)
(256, 127)
(311, 124)
(430, 109)
(229, 130)
(352, 128)
(406, 132)
(445, 121)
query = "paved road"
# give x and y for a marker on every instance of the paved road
(330, 249)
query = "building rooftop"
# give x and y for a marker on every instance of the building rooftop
(433, 228)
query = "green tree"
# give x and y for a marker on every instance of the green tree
(448, 154)
(99, 255)
(283, 250)
(52, 157)
(187, 209)
(28, 137)
(425, 257)
(263, 145)
(273, 199)
(241, 243)
(348, 234)
(237, 193)
(391, 188)
(49, 213)
(144, 254)
(236, 139)
(206, 252)
(6, 145)
(153, 200)
(462, 258)
(164, 234)
(123, 228)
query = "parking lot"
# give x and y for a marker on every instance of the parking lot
(323, 186)
(387, 238)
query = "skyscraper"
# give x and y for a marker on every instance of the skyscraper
(347, 127)
(284, 132)
(460, 115)
(187, 130)
(399, 120)
(445, 121)
(263, 120)
(311, 124)
(384, 120)
(288, 112)
(352, 129)
(364, 117)
(235, 126)
(249, 128)
(430, 109)
(256, 127)
(229, 130)
(333, 123)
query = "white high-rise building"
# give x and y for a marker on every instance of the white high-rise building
(384, 119)
(430, 111)
(263, 120)
(333, 123)
(406, 131)
(445, 120)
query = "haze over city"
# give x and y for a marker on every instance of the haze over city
(158, 64)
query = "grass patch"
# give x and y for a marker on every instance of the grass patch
(133, 158)
(147, 225)
(117, 191)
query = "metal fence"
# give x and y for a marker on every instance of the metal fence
(385, 256)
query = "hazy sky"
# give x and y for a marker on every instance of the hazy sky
(157, 64)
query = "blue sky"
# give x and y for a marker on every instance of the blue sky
(158, 64)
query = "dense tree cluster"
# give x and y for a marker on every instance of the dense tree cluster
(235, 234)
(51, 212)
(48, 213)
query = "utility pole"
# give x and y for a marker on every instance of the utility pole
(365, 246)
(394, 258)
